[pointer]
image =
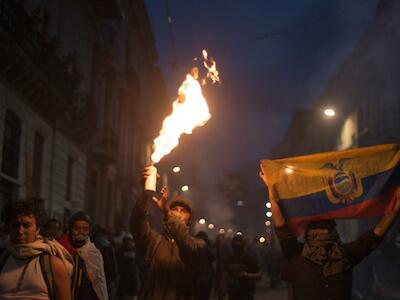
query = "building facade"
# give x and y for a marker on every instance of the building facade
(77, 82)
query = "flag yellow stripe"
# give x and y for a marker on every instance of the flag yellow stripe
(304, 175)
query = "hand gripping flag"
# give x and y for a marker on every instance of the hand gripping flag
(350, 184)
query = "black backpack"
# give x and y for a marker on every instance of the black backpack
(45, 265)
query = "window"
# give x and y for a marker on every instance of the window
(70, 172)
(8, 192)
(38, 147)
(11, 145)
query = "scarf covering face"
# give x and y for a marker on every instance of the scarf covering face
(40, 246)
(325, 249)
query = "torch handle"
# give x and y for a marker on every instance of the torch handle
(150, 183)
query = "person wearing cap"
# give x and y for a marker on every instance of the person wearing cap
(88, 279)
(171, 259)
(322, 266)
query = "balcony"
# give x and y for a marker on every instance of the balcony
(80, 119)
(30, 65)
(105, 146)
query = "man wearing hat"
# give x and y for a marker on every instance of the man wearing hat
(170, 259)
(88, 280)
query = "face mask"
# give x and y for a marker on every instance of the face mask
(79, 240)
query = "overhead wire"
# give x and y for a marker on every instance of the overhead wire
(279, 32)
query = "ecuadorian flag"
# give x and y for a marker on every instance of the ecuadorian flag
(356, 183)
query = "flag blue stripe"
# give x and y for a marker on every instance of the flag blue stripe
(318, 203)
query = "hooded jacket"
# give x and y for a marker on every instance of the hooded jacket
(170, 260)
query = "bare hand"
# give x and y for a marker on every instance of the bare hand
(162, 202)
(147, 172)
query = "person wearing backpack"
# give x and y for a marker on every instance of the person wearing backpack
(31, 267)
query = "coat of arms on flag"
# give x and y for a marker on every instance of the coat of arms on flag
(355, 183)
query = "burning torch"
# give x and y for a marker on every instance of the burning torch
(189, 110)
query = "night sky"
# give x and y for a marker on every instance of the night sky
(274, 57)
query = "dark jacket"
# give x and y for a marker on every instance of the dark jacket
(81, 287)
(241, 288)
(127, 266)
(307, 277)
(171, 260)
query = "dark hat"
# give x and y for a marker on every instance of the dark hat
(181, 201)
(238, 238)
(79, 216)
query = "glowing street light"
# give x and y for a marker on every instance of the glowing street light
(268, 204)
(268, 223)
(185, 188)
(329, 112)
(261, 239)
(202, 221)
(268, 214)
(210, 226)
(176, 169)
(222, 231)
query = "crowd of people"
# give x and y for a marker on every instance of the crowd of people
(45, 259)
(40, 261)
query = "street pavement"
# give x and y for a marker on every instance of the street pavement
(263, 292)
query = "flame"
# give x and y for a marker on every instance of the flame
(189, 111)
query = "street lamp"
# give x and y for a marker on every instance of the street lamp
(176, 169)
(329, 112)
(210, 226)
(185, 188)
(202, 221)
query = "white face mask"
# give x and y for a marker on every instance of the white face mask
(79, 240)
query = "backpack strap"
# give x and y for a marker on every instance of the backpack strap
(4, 255)
(45, 265)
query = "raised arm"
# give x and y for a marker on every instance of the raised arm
(142, 232)
(357, 250)
(289, 244)
(279, 220)
(388, 219)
